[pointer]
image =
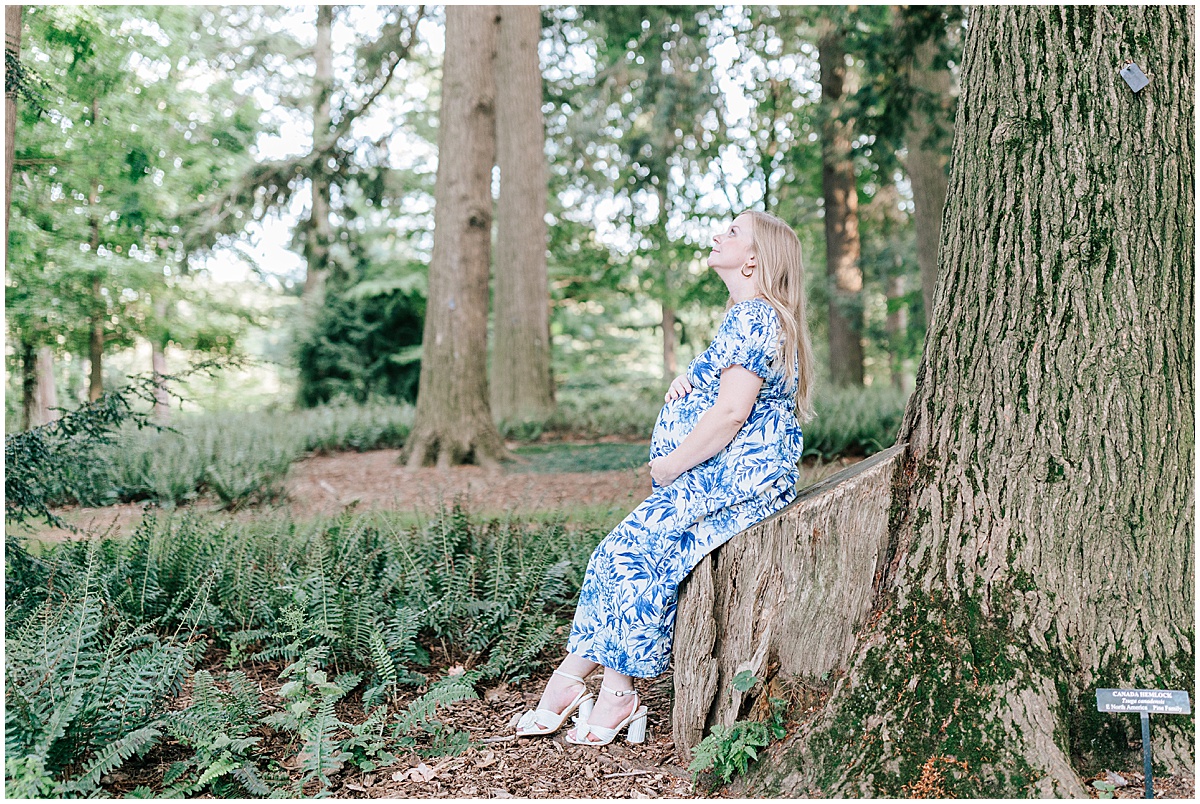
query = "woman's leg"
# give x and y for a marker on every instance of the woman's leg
(611, 709)
(560, 691)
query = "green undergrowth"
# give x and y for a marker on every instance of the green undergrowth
(240, 458)
(728, 751)
(103, 636)
(556, 458)
(243, 459)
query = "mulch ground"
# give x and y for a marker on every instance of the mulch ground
(503, 766)
(496, 765)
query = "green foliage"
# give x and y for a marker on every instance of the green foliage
(418, 719)
(41, 461)
(859, 421)
(362, 345)
(217, 727)
(137, 113)
(241, 458)
(102, 635)
(728, 750)
(85, 688)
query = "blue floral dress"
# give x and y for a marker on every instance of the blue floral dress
(626, 613)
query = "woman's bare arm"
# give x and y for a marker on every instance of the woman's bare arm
(716, 428)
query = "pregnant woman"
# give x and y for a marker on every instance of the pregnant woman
(723, 457)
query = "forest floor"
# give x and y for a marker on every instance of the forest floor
(575, 481)
(578, 482)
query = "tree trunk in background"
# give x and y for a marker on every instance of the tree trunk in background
(158, 361)
(670, 361)
(47, 394)
(897, 327)
(842, 246)
(319, 229)
(29, 384)
(522, 386)
(12, 42)
(1042, 522)
(928, 141)
(99, 304)
(453, 421)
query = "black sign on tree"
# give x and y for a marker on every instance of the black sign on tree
(1146, 703)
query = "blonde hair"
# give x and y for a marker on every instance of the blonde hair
(781, 281)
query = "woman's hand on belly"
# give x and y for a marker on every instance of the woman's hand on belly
(680, 387)
(663, 470)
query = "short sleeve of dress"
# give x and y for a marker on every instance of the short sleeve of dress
(747, 337)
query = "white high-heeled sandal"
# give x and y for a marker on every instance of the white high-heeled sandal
(537, 722)
(635, 724)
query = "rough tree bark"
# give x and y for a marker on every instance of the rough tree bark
(12, 44)
(521, 382)
(927, 139)
(842, 247)
(319, 228)
(1040, 528)
(453, 421)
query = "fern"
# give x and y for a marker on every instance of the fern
(135, 742)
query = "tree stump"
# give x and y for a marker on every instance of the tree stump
(787, 596)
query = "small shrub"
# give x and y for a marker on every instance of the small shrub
(728, 750)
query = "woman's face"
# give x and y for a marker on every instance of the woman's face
(731, 249)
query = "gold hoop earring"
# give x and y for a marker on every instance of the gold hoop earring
(747, 275)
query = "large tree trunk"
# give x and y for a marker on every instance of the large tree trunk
(453, 421)
(12, 43)
(842, 247)
(158, 361)
(928, 143)
(319, 228)
(1040, 526)
(521, 382)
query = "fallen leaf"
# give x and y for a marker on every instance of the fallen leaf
(500, 792)
(487, 760)
(497, 693)
(456, 670)
(358, 787)
(422, 773)
(469, 792)
(399, 776)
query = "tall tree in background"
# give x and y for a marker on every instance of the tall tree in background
(922, 31)
(105, 170)
(522, 387)
(453, 422)
(1042, 521)
(319, 227)
(12, 61)
(842, 247)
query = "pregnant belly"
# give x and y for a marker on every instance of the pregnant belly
(676, 419)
